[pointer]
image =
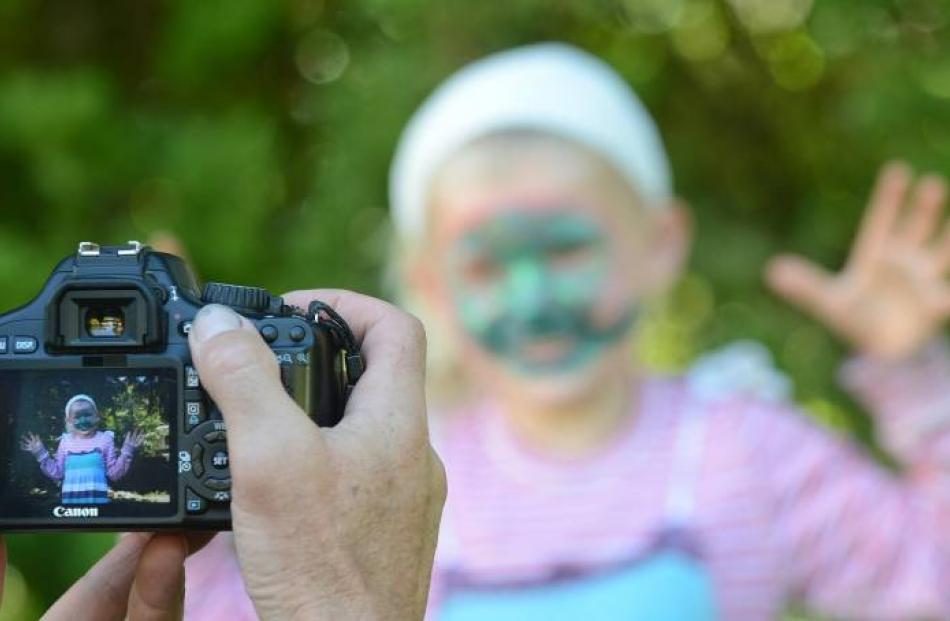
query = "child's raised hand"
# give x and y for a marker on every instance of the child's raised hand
(32, 443)
(134, 439)
(893, 294)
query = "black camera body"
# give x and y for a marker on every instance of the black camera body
(107, 339)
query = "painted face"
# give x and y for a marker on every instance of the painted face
(538, 256)
(526, 285)
(84, 416)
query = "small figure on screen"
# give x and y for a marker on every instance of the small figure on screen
(86, 459)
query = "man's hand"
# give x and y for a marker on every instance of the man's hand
(336, 523)
(329, 523)
(142, 577)
(892, 294)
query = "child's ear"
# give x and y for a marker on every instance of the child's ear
(671, 242)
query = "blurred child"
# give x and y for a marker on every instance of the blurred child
(86, 459)
(533, 204)
(535, 219)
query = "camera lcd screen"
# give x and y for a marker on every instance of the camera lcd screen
(87, 443)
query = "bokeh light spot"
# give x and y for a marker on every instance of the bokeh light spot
(322, 56)
(934, 79)
(796, 61)
(703, 33)
(769, 16)
(654, 15)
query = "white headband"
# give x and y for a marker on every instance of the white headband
(549, 87)
(70, 403)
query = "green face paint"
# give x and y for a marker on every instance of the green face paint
(85, 418)
(526, 285)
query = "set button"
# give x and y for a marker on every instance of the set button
(220, 460)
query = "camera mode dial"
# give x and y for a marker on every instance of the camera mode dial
(242, 299)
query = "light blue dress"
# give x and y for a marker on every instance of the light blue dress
(84, 479)
(668, 586)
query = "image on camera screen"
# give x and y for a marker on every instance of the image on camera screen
(87, 443)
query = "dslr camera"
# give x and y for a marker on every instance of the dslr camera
(104, 424)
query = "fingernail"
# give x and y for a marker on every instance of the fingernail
(212, 320)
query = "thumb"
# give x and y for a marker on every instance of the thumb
(801, 282)
(240, 374)
(158, 589)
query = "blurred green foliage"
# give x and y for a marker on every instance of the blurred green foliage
(260, 132)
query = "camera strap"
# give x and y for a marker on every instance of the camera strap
(353, 362)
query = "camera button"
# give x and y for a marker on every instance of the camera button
(194, 414)
(3, 345)
(191, 377)
(184, 328)
(215, 436)
(24, 345)
(297, 333)
(194, 503)
(218, 484)
(197, 463)
(220, 460)
(269, 333)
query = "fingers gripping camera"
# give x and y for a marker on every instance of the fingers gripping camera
(103, 420)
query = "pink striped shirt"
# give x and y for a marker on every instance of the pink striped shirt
(117, 463)
(784, 511)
